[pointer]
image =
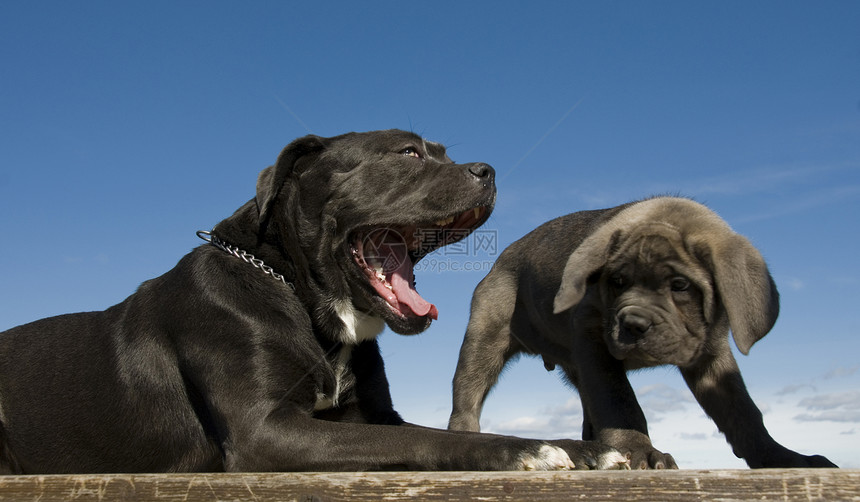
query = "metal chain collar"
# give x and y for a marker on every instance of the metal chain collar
(243, 255)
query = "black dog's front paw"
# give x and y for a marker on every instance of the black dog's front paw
(592, 455)
(546, 458)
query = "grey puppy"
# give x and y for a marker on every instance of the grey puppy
(654, 282)
(258, 352)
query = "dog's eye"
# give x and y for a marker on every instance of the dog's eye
(616, 281)
(680, 284)
(411, 152)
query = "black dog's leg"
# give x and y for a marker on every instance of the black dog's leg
(278, 434)
(584, 454)
(372, 390)
(291, 440)
(720, 390)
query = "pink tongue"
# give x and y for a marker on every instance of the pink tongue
(387, 248)
(401, 280)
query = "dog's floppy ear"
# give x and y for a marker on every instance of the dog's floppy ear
(746, 289)
(586, 259)
(272, 178)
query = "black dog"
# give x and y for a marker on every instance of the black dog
(258, 353)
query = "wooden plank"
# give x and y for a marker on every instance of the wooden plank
(722, 485)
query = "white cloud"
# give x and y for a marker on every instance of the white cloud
(850, 416)
(840, 371)
(850, 400)
(833, 407)
(659, 399)
(793, 389)
(694, 436)
(556, 421)
(567, 417)
(521, 424)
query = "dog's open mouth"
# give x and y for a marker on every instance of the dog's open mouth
(387, 256)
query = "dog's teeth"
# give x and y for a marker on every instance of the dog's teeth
(380, 274)
(383, 279)
(443, 222)
(477, 212)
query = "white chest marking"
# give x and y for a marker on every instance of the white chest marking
(358, 327)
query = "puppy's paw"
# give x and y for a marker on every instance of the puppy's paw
(651, 459)
(638, 448)
(547, 458)
(820, 461)
(781, 457)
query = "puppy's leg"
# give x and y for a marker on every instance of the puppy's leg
(587, 426)
(486, 349)
(612, 412)
(720, 390)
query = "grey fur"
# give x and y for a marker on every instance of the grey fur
(654, 282)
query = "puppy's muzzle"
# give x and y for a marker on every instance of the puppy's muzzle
(634, 323)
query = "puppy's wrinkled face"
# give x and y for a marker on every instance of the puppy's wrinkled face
(656, 297)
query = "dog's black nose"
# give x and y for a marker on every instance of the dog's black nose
(483, 171)
(636, 325)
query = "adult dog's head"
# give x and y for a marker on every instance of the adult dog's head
(353, 214)
(671, 276)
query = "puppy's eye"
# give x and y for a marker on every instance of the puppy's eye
(616, 281)
(411, 152)
(680, 284)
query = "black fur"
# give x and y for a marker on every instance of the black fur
(217, 366)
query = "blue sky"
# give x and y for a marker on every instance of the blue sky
(125, 127)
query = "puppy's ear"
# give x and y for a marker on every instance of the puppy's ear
(586, 259)
(746, 289)
(272, 178)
